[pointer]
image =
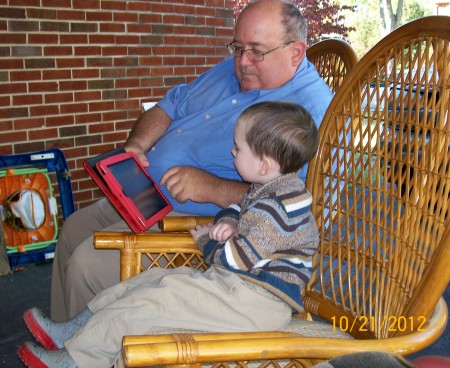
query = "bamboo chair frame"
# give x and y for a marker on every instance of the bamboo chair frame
(384, 145)
(333, 59)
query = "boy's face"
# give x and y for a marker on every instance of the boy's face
(247, 163)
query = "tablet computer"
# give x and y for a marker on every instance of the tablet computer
(129, 187)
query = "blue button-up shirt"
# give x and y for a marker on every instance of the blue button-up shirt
(204, 113)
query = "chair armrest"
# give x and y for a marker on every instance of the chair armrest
(183, 223)
(166, 250)
(191, 349)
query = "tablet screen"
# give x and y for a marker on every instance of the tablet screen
(138, 187)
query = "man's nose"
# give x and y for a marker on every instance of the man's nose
(244, 59)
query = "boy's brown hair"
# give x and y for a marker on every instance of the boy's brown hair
(284, 131)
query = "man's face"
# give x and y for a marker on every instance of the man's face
(260, 28)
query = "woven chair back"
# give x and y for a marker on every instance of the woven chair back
(381, 184)
(333, 59)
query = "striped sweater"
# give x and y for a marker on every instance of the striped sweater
(276, 237)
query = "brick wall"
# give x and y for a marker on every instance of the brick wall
(74, 73)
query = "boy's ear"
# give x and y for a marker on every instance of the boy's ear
(265, 166)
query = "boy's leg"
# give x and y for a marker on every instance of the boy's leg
(78, 227)
(182, 298)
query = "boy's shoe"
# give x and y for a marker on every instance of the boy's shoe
(35, 356)
(41, 328)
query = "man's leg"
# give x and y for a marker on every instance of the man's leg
(89, 271)
(76, 228)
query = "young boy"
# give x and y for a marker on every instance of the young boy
(259, 254)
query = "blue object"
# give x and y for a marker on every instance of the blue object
(54, 161)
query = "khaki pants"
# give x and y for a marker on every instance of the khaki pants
(182, 298)
(79, 270)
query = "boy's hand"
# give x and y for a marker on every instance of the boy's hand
(223, 230)
(200, 230)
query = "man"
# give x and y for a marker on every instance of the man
(185, 142)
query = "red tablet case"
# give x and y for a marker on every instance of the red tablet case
(112, 172)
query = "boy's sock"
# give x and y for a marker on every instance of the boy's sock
(36, 356)
(53, 334)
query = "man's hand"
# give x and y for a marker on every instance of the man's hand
(188, 183)
(139, 152)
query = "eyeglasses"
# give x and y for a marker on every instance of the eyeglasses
(252, 54)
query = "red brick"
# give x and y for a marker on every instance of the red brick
(88, 50)
(27, 100)
(114, 50)
(57, 74)
(57, 3)
(6, 150)
(58, 97)
(86, 4)
(73, 39)
(73, 108)
(112, 115)
(115, 137)
(88, 118)
(150, 18)
(98, 16)
(11, 64)
(88, 96)
(127, 104)
(42, 134)
(70, 63)
(5, 101)
(13, 137)
(139, 28)
(100, 128)
(125, 17)
(60, 120)
(57, 50)
(102, 39)
(43, 86)
(10, 88)
(113, 5)
(28, 147)
(101, 106)
(73, 85)
(127, 83)
(70, 14)
(42, 38)
(110, 27)
(85, 73)
(44, 110)
(141, 6)
(25, 75)
(31, 123)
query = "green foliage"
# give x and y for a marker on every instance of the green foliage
(366, 20)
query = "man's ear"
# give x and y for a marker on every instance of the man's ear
(299, 52)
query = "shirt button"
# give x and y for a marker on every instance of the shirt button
(179, 130)
(207, 116)
(153, 148)
(233, 101)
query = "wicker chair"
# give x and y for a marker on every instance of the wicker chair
(333, 59)
(381, 183)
